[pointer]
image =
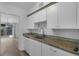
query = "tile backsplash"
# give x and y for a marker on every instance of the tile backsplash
(69, 33)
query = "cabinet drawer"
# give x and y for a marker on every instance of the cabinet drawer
(52, 51)
(59, 52)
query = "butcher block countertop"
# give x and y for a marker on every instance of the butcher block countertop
(67, 44)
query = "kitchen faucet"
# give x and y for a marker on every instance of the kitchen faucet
(43, 33)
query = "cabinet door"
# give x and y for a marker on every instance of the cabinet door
(63, 53)
(47, 51)
(26, 45)
(59, 52)
(40, 16)
(67, 14)
(52, 16)
(43, 15)
(78, 14)
(35, 48)
(30, 22)
(52, 51)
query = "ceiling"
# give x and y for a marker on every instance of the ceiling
(23, 5)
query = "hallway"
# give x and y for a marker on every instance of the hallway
(9, 47)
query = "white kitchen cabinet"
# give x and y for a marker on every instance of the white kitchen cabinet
(40, 16)
(52, 51)
(52, 16)
(46, 51)
(78, 14)
(35, 48)
(30, 22)
(26, 45)
(67, 15)
(32, 47)
(60, 52)
(62, 15)
(36, 18)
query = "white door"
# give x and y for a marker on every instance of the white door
(67, 14)
(52, 16)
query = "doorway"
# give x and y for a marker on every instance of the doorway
(6, 30)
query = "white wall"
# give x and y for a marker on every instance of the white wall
(20, 27)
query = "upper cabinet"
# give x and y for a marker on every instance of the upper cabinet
(67, 15)
(52, 18)
(62, 15)
(30, 21)
(36, 18)
(40, 16)
(78, 14)
(58, 16)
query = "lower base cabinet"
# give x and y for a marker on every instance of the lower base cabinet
(46, 51)
(35, 48)
(26, 45)
(52, 51)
